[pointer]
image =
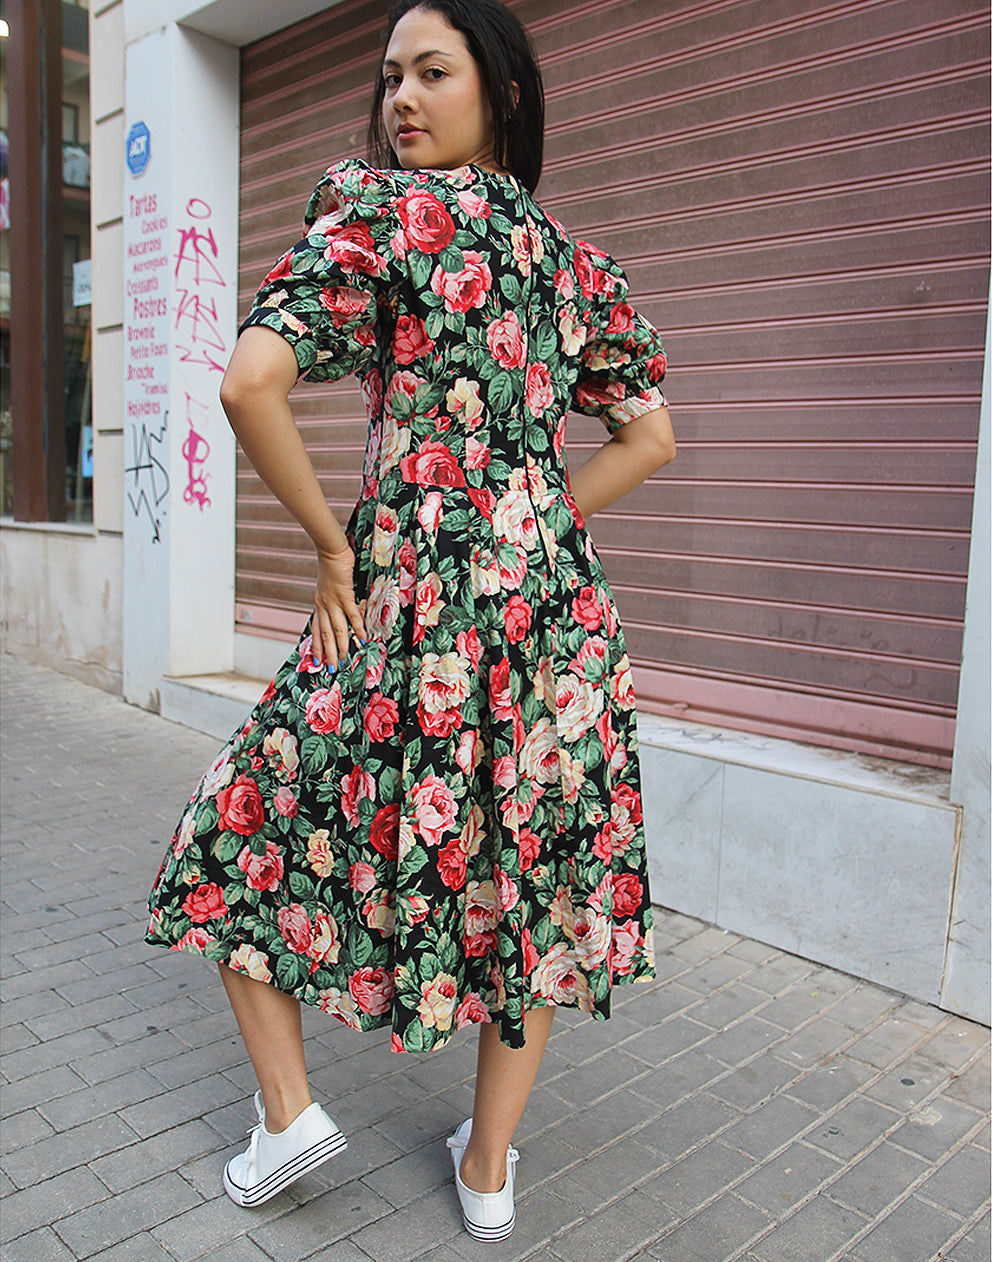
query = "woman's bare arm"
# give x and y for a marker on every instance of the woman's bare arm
(633, 453)
(255, 396)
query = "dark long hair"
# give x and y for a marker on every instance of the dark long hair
(504, 54)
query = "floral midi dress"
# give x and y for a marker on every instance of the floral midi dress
(446, 829)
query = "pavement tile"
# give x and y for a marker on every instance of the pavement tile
(81, 1016)
(825, 1085)
(341, 1212)
(962, 1184)
(889, 1040)
(411, 1175)
(26, 1127)
(874, 1182)
(853, 1128)
(818, 1230)
(908, 1084)
(614, 1232)
(770, 1126)
(36, 1206)
(971, 1087)
(77, 1147)
(934, 1129)
(814, 1044)
(714, 1232)
(607, 1175)
(726, 1006)
(411, 1231)
(974, 1246)
(116, 1061)
(687, 1124)
(139, 1248)
(206, 1227)
(785, 1180)
(955, 1044)
(58, 1051)
(38, 1246)
(588, 1082)
(710, 975)
(912, 1230)
(242, 1250)
(162, 1111)
(146, 1159)
(678, 1078)
(687, 1183)
(81, 1106)
(661, 1042)
(592, 1128)
(16, 1037)
(740, 1042)
(101, 1226)
(754, 1082)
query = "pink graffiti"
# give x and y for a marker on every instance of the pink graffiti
(196, 449)
(196, 265)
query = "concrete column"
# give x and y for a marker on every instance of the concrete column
(967, 963)
(180, 312)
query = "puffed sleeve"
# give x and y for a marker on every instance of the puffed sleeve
(623, 361)
(323, 293)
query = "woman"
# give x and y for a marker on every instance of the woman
(432, 817)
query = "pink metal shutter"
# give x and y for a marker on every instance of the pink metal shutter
(799, 193)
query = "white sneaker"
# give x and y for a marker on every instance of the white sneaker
(487, 1215)
(273, 1162)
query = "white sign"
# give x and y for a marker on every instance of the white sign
(82, 283)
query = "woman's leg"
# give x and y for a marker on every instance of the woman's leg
(271, 1025)
(503, 1082)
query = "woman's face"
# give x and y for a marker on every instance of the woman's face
(435, 110)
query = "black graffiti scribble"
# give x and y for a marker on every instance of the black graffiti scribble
(150, 477)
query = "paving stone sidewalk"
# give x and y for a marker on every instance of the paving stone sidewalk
(748, 1105)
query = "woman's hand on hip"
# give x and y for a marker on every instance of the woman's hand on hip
(336, 614)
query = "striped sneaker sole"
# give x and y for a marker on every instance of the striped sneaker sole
(286, 1174)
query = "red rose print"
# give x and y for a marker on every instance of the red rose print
(282, 269)
(427, 226)
(285, 802)
(517, 618)
(295, 927)
(262, 871)
(471, 1011)
(483, 499)
(627, 894)
(530, 848)
(372, 989)
(531, 956)
(583, 269)
(240, 806)
(323, 710)
(345, 304)
(452, 864)
(432, 464)
(361, 877)
(657, 366)
(586, 609)
(353, 249)
(410, 340)
(357, 786)
(499, 689)
(381, 716)
(505, 338)
(385, 830)
(205, 903)
(540, 393)
(621, 318)
(465, 289)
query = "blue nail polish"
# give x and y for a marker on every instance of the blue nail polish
(331, 668)
(363, 643)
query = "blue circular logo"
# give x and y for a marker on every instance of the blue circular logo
(139, 148)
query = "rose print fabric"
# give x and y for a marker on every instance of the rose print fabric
(448, 828)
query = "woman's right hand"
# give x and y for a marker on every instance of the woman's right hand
(336, 614)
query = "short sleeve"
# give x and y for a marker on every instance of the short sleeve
(322, 295)
(623, 361)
